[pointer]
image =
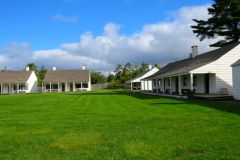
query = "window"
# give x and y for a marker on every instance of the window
(48, 86)
(185, 81)
(155, 83)
(169, 82)
(15, 87)
(22, 87)
(85, 85)
(78, 85)
(194, 80)
(54, 86)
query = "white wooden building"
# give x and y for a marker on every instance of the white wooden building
(236, 80)
(207, 73)
(137, 84)
(67, 80)
(18, 82)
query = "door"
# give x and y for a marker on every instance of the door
(176, 84)
(206, 83)
(63, 87)
(71, 87)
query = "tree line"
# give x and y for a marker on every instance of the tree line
(121, 74)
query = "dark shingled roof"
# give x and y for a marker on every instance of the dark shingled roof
(14, 76)
(190, 64)
(67, 76)
(236, 63)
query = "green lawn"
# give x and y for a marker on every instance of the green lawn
(116, 125)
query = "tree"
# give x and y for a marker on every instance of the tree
(32, 66)
(224, 22)
(98, 77)
(144, 67)
(118, 71)
(157, 66)
(110, 77)
(41, 74)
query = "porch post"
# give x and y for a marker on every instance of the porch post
(131, 86)
(66, 87)
(191, 81)
(81, 86)
(18, 88)
(179, 85)
(74, 87)
(50, 87)
(170, 85)
(147, 85)
(157, 85)
(42, 88)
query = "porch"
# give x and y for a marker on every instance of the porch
(134, 86)
(12, 88)
(65, 87)
(185, 84)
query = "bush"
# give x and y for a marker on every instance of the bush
(115, 85)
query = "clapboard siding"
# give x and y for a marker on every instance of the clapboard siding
(222, 69)
(236, 82)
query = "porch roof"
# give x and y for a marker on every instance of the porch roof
(134, 80)
(189, 64)
(14, 76)
(62, 76)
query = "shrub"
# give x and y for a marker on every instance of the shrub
(115, 85)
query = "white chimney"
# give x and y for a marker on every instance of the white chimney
(83, 67)
(54, 68)
(27, 69)
(149, 66)
(194, 51)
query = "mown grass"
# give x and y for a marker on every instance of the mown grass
(116, 125)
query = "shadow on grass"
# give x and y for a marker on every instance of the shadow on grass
(168, 103)
(224, 106)
(117, 92)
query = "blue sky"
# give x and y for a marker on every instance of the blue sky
(58, 25)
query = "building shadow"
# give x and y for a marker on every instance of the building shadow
(229, 106)
(116, 92)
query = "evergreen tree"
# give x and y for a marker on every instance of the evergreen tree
(32, 66)
(41, 74)
(144, 67)
(224, 22)
(110, 77)
(97, 78)
(157, 66)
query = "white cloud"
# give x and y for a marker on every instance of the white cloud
(62, 18)
(64, 59)
(154, 43)
(14, 55)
